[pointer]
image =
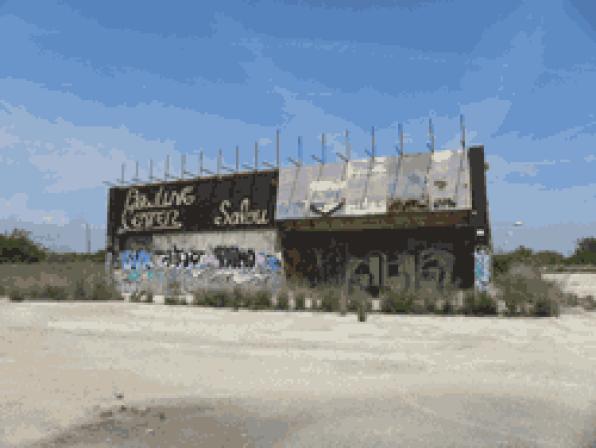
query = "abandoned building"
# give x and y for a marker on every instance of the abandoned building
(403, 221)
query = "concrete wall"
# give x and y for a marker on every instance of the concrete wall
(581, 284)
(258, 240)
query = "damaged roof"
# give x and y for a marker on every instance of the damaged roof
(421, 181)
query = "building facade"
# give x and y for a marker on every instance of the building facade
(406, 221)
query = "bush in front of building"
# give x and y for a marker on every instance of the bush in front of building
(299, 299)
(236, 298)
(198, 297)
(526, 293)
(283, 301)
(398, 302)
(218, 298)
(101, 289)
(362, 304)
(171, 300)
(478, 304)
(330, 296)
(135, 297)
(16, 295)
(258, 299)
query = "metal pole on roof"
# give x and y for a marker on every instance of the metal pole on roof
(256, 156)
(348, 146)
(297, 162)
(136, 179)
(400, 132)
(462, 158)
(277, 148)
(122, 177)
(202, 169)
(372, 143)
(182, 165)
(431, 135)
(219, 156)
(151, 170)
(400, 153)
(237, 158)
(462, 128)
(167, 167)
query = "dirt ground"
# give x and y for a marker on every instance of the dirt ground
(136, 375)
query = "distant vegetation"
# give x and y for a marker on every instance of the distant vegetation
(19, 247)
(584, 255)
(28, 270)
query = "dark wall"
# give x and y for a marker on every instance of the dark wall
(321, 256)
(479, 218)
(239, 201)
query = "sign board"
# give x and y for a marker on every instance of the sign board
(238, 201)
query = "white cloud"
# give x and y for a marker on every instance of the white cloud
(16, 206)
(7, 140)
(75, 157)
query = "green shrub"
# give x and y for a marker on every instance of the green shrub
(16, 295)
(148, 297)
(259, 299)
(479, 304)
(54, 292)
(215, 297)
(236, 298)
(485, 305)
(136, 296)
(589, 303)
(544, 307)
(448, 306)
(526, 293)
(80, 292)
(282, 300)
(101, 289)
(199, 297)
(362, 308)
(19, 247)
(299, 297)
(330, 297)
(359, 302)
(398, 302)
(169, 300)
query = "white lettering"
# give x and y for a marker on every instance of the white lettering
(244, 216)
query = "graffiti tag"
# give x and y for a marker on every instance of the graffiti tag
(142, 212)
(244, 216)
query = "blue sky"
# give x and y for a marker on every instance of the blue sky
(86, 86)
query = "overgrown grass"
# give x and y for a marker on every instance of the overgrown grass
(235, 298)
(526, 294)
(83, 280)
(299, 299)
(283, 299)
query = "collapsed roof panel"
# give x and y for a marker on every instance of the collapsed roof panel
(421, 181)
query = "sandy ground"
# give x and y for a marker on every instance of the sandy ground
(203, 377)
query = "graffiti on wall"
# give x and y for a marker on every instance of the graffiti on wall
(243, 216)
(194, 268)
(482, 269)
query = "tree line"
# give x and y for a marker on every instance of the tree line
(19, 247)
(584, 254)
